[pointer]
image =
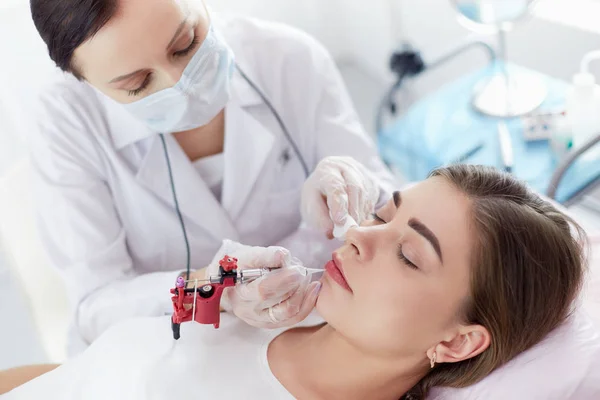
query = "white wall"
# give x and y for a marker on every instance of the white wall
(304, 14)
(350, 29)
(370, 30)
(24, 67)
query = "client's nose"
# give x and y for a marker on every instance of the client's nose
(363, 240)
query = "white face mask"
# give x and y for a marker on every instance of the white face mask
(201, 93)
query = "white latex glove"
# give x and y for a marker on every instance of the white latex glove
(279, 299)
(340, 193)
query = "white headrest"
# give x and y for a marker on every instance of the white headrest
(565, 366)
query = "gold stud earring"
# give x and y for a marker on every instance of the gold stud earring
(433, 359)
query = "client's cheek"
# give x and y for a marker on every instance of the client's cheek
(379, 332)
(340, 315)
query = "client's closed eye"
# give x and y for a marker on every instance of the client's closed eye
(405, 260)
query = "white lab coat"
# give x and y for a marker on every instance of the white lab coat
(104, 202)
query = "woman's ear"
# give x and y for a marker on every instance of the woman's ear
(471, 341)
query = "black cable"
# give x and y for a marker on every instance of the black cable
(387, 101)
(187, 243)
(279, 121)
(285, 132)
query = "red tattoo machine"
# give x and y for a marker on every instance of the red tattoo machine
(202, 304)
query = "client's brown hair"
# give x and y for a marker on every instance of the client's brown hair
(527, 268)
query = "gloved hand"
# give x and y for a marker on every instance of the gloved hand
(279, 299)
(339, 188)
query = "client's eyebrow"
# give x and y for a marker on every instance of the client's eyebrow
(427, 234)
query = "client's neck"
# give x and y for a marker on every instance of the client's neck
(318, 363)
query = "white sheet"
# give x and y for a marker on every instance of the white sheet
(139, 360)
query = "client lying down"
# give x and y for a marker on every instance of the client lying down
(450, 280)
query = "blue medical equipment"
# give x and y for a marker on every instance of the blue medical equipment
(444, 128)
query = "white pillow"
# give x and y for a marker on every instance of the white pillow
(24, 70)
(565, 366)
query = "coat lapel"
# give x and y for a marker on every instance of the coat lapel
(195, 199)
(248, 146)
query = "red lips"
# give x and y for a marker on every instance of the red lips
(335, 272)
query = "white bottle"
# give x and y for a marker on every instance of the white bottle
(583, 109)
